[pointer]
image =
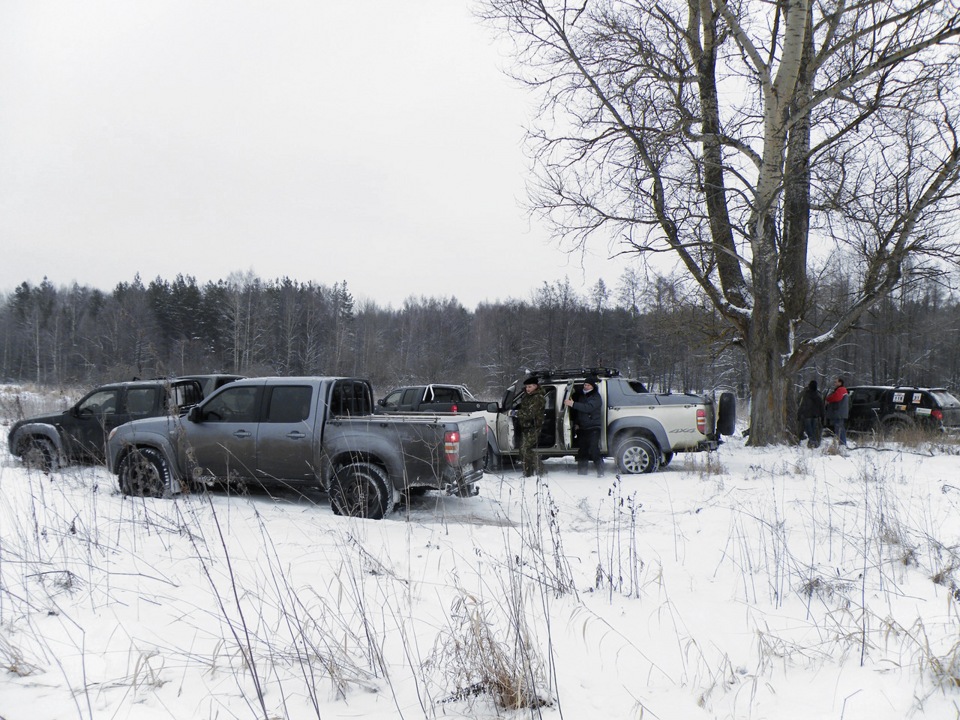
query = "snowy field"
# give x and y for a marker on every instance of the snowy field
(782, 583)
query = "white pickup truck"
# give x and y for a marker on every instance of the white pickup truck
(642, 430)
(318, 430)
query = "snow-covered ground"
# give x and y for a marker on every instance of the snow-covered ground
(782, 583)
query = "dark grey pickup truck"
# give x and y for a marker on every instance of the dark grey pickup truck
(301, 430)
(432, 398)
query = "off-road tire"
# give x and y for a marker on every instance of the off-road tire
(143, 472)
(492, 462)
(37, 453)
(362, 490)
(637, 455)
(727, 414)
(892, 427)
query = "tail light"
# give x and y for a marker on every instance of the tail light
(454, 408)
(451, 447)
(937, 415)
(702, 422)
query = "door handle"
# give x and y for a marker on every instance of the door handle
(242, 434)
(296, 435)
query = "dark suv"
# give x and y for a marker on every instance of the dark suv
(79, 433)
(888, 409)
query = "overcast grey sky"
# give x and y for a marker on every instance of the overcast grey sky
(371, 141)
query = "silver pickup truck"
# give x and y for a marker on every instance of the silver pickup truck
(301, 430)
(642, 430)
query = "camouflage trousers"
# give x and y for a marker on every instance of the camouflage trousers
(532, 464)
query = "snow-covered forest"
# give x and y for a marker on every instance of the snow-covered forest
(648, 326)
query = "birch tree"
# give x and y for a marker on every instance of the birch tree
(751, 140)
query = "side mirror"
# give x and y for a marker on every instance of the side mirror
(493, 407)
(382, 402)
(193, 415)
(74, 411)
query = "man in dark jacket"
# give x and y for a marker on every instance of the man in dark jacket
(810, 414)
(590, 420)
(530, 414)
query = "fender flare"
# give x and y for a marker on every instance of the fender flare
(156, 442)
(492, 442)
(44, 430)
(627, 426)
(379, 452)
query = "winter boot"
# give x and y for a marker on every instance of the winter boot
(581, 467)
(600, 469)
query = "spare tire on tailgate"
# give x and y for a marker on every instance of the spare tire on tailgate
(727, 414)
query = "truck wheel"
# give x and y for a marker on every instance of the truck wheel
(143, 472)
(893, 427)
(362, 490)
(37, 453)
(637, 455)
(727, 414)
(492, 462)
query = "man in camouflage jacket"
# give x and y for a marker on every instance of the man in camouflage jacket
(530, 413)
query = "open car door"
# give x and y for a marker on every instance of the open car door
(566, 418)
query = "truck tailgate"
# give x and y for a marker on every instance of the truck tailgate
(473, 438)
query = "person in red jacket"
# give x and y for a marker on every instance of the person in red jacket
(838, 409)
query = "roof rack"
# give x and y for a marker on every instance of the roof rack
(570, 373)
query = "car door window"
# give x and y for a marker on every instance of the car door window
(392, 401)
(141, 402)
(288, 403)
(102, 402)
(234, 404)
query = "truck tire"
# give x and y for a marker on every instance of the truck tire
(362, 490)
(37, 453)
(143, 472)
(727, 414)
(637, 455)
(895, 425)
(492, 461)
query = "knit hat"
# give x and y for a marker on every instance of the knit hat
(532, 380)
(593, 380)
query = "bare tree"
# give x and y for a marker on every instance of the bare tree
(738, 135)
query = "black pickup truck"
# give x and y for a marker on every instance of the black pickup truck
(315, 430)
(432, 398)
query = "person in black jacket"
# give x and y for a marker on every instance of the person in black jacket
(810, 414)
(589, 419)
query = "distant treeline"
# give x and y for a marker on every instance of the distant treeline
(647, 326)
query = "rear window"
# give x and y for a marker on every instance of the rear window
(350, 398)
(945, 399)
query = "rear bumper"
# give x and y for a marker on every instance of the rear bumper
(456, 479)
